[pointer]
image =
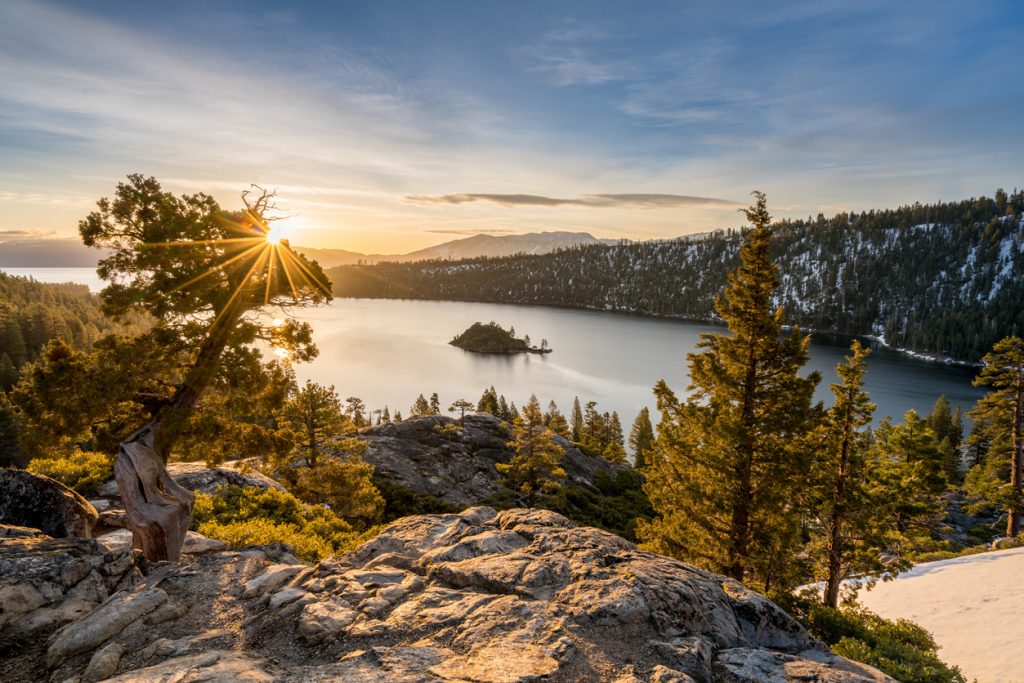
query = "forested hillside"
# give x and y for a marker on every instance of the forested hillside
(943, 278)
(32, 313)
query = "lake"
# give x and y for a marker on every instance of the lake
(386, 352)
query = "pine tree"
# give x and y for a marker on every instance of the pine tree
(314, 414)
(435, 404)
(846, 499)
(536, 467)
(421, 407)
(8, 373)
(460, 407)
(728, 465)
(356, 409)
(614, 451)
(503, 411)
(386, 416)
(10, 449)
(641, 438)
(398, 416)
(576, 420)
(488, 402)
(556, 421)
(999, 420)
(513, 412)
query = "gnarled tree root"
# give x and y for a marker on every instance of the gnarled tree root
(159, 510)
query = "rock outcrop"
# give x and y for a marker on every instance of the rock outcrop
(459, 467)
(38, 502)
(196, 476)
(515, 596)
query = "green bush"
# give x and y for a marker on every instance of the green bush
(241, 516)
(899, 648)
(82, 471)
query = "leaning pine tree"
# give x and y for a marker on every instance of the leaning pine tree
(727, 470)
(202, 275)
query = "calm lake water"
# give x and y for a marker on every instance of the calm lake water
(387, 352)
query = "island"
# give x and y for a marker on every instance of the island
(493, 338)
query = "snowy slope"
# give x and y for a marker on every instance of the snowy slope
(974, 606)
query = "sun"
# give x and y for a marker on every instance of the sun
(275, 234)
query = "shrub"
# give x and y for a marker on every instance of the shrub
(82, 471)
(899, 648)
(346, 486)
(241, 515)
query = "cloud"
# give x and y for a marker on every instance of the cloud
(476, 231)
(604, 200)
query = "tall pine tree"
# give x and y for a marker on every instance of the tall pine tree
(729, 464)
(641, 438)
(999, 421)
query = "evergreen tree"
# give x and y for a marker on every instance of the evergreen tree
(996, 482)
(905, 460)
(314, 414)
(728, 466)
(576, 420)
(941, 422)
(513, 412)
(846, 499)
(488, 402)
(460, 407)
(421, 407)
(435, 404)
(386, 416)
(594, 433)
(356, 409)
(536, 467)
(10, 449)
(398, 416)
(503, 412)
(555, 421)
(614, 451)
(641, 438)
(345, 484)
(8, 372)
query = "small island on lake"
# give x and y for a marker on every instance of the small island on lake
(493, 338)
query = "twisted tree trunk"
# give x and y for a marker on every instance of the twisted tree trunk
(159, 510)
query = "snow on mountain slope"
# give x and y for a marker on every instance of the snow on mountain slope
(503, 245)
(974, 606)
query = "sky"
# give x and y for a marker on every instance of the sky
(390, 126)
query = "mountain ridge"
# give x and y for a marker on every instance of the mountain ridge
(71, 253)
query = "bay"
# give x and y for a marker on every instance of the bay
(388, 351)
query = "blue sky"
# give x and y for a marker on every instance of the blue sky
(387, 126)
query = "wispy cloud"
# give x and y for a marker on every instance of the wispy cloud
(634, 200)
(475, 231)
(571, 55)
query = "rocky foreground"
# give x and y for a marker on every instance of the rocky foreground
(520, 595)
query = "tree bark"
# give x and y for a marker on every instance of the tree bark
(159, 510)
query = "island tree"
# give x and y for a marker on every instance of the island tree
(207, 279)
(728, 465)
(996, 482)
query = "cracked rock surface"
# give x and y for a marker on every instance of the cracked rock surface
(483, 596)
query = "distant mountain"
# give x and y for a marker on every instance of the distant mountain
(48, 253)
(71, 253)
(505, 245)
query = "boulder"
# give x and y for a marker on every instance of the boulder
(32, 500)
(459, 468)
(196, 476)
(46, 582)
